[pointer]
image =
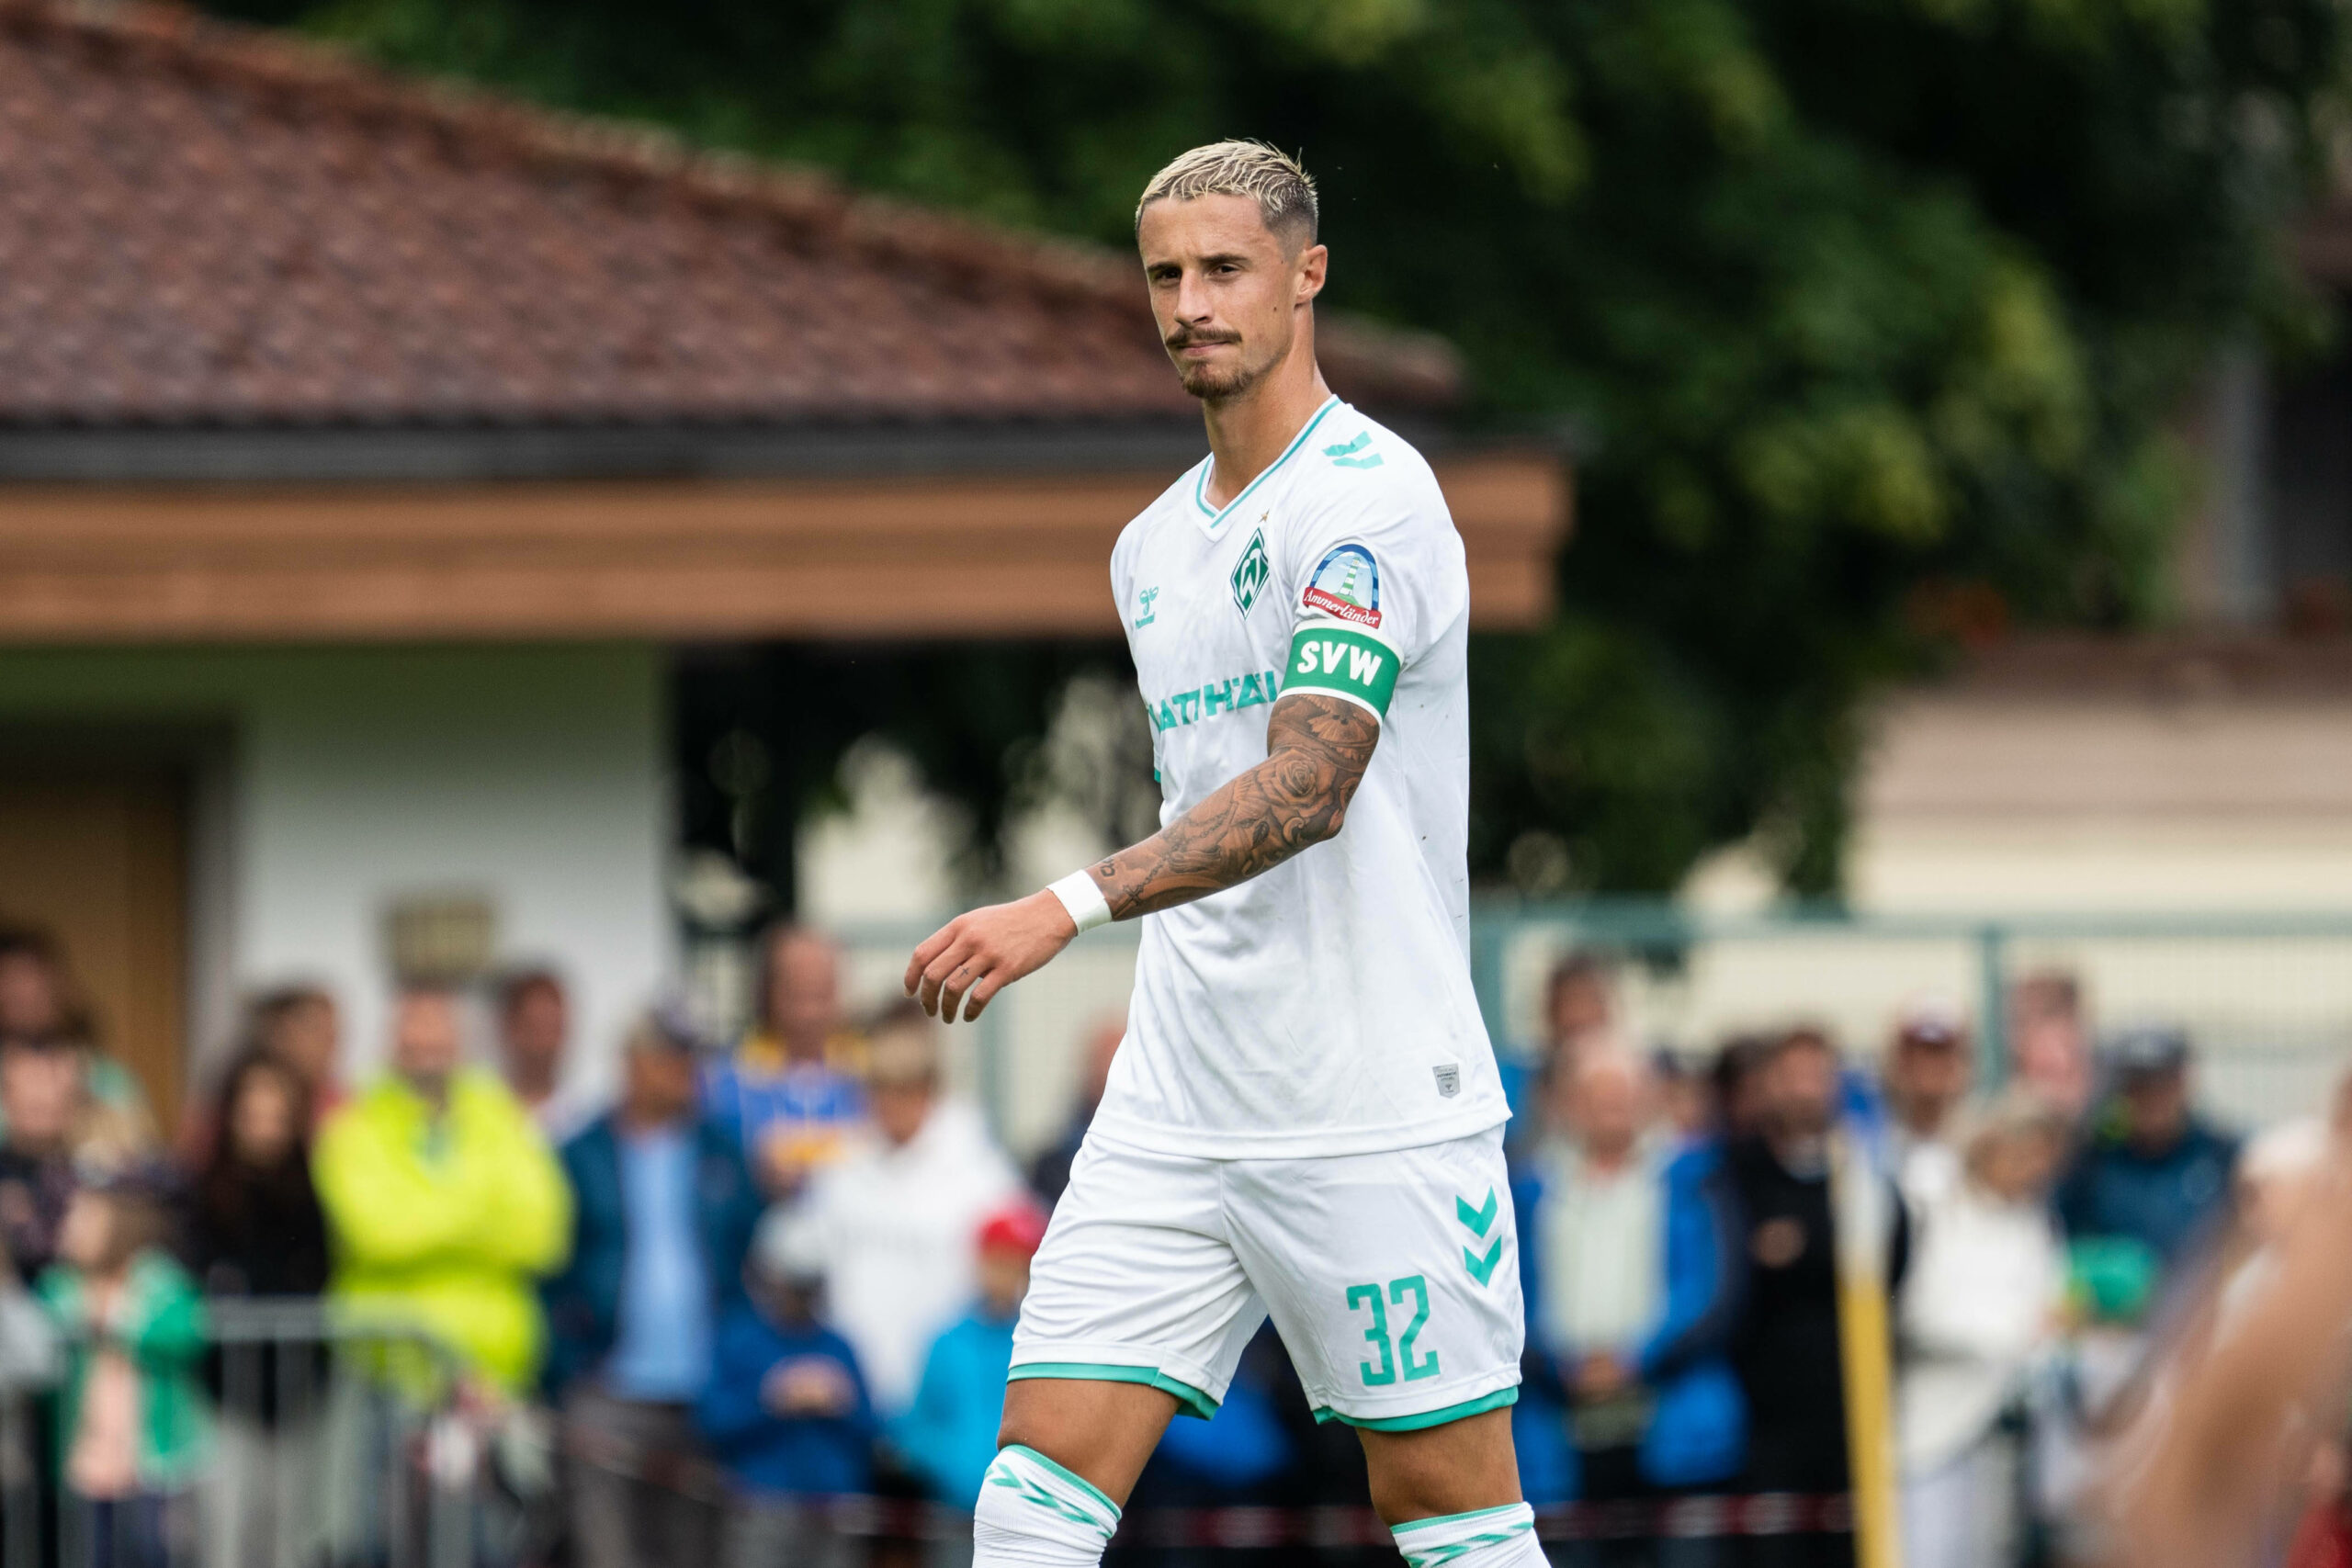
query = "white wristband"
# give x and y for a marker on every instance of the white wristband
(1087, 907)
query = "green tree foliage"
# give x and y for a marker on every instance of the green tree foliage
(1869, 320)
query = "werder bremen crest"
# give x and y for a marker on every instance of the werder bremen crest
(1249, 576)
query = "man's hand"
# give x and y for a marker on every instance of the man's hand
(968, 960)
(1602, 1376)
(808, 1385)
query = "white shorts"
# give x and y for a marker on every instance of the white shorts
(1393, 1278)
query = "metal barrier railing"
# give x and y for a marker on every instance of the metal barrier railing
(2267, 998)
(312, 1436)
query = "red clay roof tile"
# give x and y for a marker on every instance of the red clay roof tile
(203, 224)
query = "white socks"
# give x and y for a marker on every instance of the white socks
(1035, 1514)
(1490, 1537)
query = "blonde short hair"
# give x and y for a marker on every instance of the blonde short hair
(1284, 191)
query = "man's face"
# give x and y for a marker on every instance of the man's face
(536, 1026)
(1802, 1093)
(1227, 291)
(2156, 1106)
(659, 1085)
(307, 1037)
(1608, 1108)
(804, 993)
(28, 1005)
(1580, 1005)
(40, 1090)
(1004, 1278)
(900, 1107)
(1929, 1077)
(426, 1038)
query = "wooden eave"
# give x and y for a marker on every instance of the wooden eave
(977, 556)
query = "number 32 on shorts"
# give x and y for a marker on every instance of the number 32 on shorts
(1401, 1351)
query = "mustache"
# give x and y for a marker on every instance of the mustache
(1187, 338)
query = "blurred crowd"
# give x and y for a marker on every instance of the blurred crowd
(2045, 1221)
(769, 1271)
(785, 1268)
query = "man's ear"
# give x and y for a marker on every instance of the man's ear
(1313, 265)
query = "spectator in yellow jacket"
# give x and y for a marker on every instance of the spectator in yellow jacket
(444, 1202)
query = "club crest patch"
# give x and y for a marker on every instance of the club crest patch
(1251, 574)
(1346, 587)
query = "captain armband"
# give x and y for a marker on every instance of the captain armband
(1346, 662)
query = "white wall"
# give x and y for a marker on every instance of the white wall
(534, 775)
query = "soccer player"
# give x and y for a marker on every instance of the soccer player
(1305, 1118)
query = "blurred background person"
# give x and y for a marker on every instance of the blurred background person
(2049, 1040)
(1787, 1348)
(38, 998)
(1926, 1078)
(257, 1231)
(948, 1439)
(790, 1090)
(1631, 1268)
(786, 1411)
(1736, 1085)
(663, 1207)
(444, 1204)
(40, 1103)
(301, 1028)
(534, 1041)
(1049, 1172)
(255, 1224)
(1686, 1101)
(898, 1210)
(2152, 1179)
(1579, 1000)
(39, 1002)
(1983, 1300)
(131, 1421)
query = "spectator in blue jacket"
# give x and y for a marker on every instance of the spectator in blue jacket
(1631, 1267)
(948, 1439)
(2155, 1178)
(665, 1205)
(786, 1412)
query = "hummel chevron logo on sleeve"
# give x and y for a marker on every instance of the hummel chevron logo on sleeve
(1480, 1220)
(1345, 456)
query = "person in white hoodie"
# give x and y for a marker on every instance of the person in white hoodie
(898, 1210)
(1988, 1281)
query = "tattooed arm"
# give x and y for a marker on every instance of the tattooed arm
(1316, 750)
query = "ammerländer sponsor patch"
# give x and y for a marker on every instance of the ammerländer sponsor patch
(1346, 587)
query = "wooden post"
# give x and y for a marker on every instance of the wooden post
(1858, 1199)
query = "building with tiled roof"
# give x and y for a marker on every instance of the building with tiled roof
(369, 448)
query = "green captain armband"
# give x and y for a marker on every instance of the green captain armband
(1325, 657)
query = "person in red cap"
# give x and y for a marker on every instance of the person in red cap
(948, 1439)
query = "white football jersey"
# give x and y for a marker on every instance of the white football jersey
(1324, 1007)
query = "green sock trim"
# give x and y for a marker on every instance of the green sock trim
(1468, 1408)
(1190, 1401)
(1455, 1518)
(1066, 1475)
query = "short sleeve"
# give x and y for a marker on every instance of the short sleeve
(1379, 578)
